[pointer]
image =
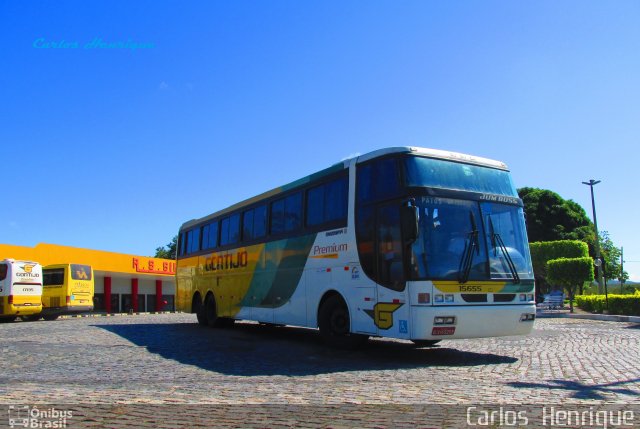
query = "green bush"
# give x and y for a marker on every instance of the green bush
(628, 305)
(544, 251)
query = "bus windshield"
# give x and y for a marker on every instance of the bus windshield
(438, 173)
(467, 240)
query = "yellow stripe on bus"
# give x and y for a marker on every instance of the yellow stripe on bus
(329, 256)
(469, 287)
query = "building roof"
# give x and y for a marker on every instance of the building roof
(100, 260)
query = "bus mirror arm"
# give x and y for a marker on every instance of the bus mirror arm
(409, 219)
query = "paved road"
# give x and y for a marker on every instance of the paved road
(105, 367)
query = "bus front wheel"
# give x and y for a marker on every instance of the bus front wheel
(335, 324)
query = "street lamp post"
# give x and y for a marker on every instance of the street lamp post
(591, 183)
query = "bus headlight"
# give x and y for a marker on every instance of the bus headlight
(527, 317)
(440, 298)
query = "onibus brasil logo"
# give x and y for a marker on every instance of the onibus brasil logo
(25, 416)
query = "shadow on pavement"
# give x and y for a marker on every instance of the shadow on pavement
(253, 350)
(582, 390)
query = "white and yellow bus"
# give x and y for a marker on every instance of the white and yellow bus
(67, 289)
(20, 289)
(408, 243)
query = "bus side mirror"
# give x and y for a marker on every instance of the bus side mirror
(409, 218)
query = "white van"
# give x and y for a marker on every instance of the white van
(20, 289)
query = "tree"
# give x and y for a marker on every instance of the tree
(570, 273)
(168, 251)
(550, 217)
(611, 255)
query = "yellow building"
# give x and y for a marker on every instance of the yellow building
(123, 282)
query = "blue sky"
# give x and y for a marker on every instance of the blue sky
(113, 148)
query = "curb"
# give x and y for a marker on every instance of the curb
(601, 317)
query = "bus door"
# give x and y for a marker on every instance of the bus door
(365, 296)
(391, 312)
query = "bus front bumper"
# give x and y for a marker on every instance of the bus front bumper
(450, 322)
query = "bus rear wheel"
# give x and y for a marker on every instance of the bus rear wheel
(32, 318)
(199, 309)
(211, 313)
(335, 324)
(50, 317)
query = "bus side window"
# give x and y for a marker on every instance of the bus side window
(328, 202)
(260, 221)
(193, 241)
(293, 212)
(277, 217)
(189, 240)
(234, 228)
(315, 206)
(336, 200)
(205, 237)
(247, 225)
(3, 271)
(213, 235)
(364, 188)
(183, 240)
(230, 230)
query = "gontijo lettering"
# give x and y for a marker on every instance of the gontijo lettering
(227, 261)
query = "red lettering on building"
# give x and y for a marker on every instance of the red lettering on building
(168, 268)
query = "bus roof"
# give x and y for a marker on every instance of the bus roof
(14, 261)
(434, 153)
(419, 151)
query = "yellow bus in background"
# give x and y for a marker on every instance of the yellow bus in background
(20, 289)
(67, 289)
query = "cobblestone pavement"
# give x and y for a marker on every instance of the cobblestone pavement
(168, 363)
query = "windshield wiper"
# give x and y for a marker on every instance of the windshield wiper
(496, 242)
(470, 245)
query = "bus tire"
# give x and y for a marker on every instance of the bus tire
(8, 319)
(199, 309)
(226, 322)
(211, 312)
(50, 317)
(32, 318)
(425, 343)
(335, 324)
